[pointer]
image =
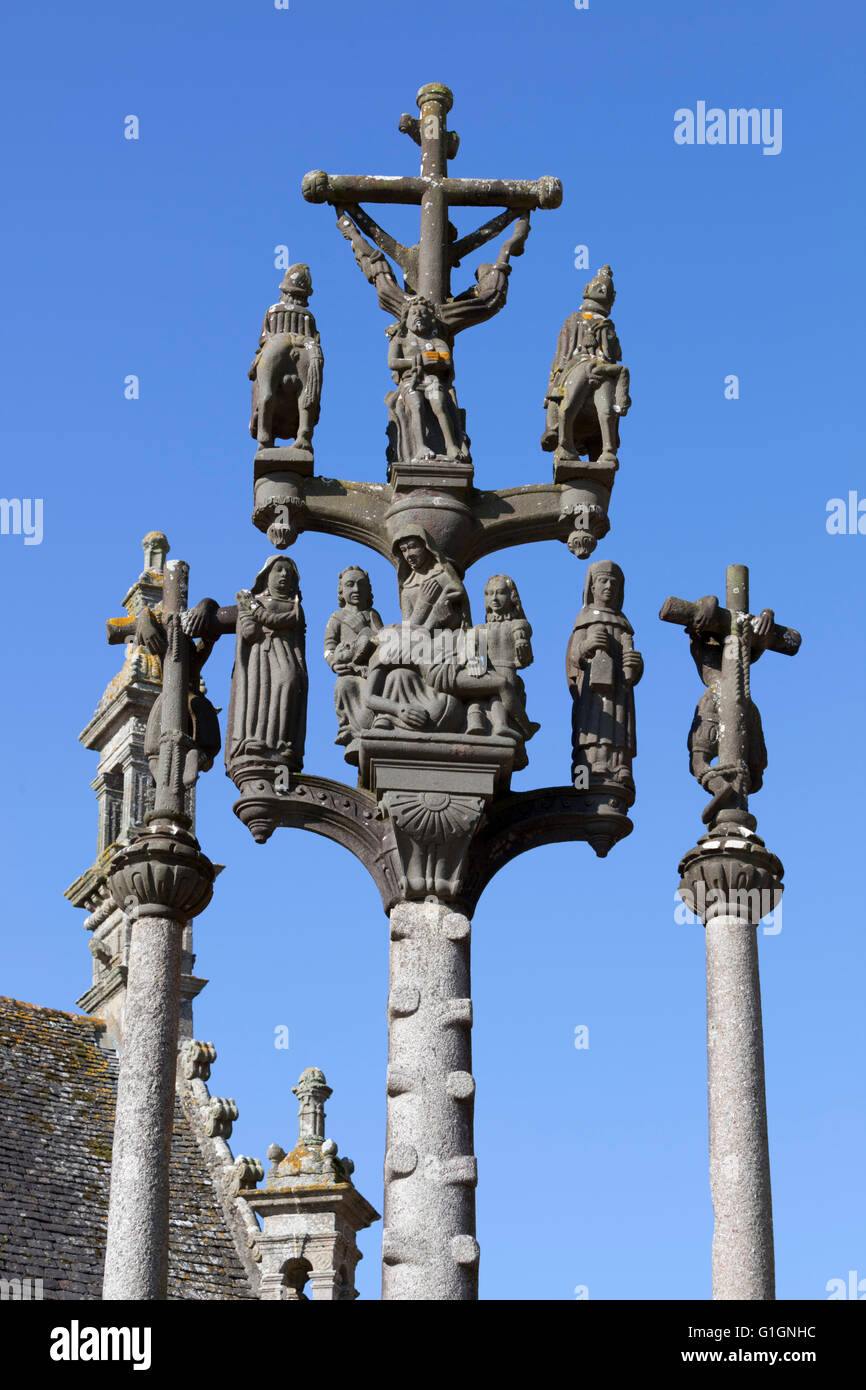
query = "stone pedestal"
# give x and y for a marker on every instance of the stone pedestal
(429, 1246)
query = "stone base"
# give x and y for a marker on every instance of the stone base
(286, 457)
(399, 760)
(454, 474)
(567, 468)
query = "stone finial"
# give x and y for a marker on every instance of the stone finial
(243, 1175)
(220, 1114)
(312, 1091)
(310, 1209)
(155, 546)
(195, 1060)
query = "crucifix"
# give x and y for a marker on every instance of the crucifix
(725, 643)
(730, 881)
(427, 266)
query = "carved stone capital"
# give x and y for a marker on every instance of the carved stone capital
(433, 831)
(163, 873)
(731, 873)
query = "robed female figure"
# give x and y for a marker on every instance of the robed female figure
(268, 706)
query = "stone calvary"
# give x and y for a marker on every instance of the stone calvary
(431, 708)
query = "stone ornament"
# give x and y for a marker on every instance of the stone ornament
(588, 391)
(602, 668)
(287, 369)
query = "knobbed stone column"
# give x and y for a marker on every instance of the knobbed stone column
(429, 1246)
(162, 880)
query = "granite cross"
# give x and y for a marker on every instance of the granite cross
(740, 633)
(428, 265)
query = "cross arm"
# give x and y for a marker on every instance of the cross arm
(521, 194)
(679, 610)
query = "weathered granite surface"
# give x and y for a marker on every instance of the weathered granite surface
(57, 1097)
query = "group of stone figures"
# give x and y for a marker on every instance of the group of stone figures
(434, 672)
(587, 394)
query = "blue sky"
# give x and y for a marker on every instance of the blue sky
(155, 257)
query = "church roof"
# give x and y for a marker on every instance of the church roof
(58, 1084)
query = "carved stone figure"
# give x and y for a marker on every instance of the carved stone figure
(707, 649)
(413, 675)
(507, 649)
(350, 641)
(268, 705)
(588, 390)
(203, 724)
(603, 668)
(724, 643)
(287, 369)
(424, 418)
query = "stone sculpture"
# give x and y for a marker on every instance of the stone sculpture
(725, 643)
(603, 668)
(707, 647)
(424, 418)
(350, 641)
(268, 705)
(506, 645)
(287, 369)
(587, 394)
(149, 633)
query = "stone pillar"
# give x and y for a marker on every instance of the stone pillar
(739, 1151)
(730, 880)
(429, 1246)
(136, 1259)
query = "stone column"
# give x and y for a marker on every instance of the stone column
(730, 880)
(739, 1151)
(136, 1260)
(429, 1246)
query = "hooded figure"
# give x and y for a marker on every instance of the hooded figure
(268, 705)
(420, 567)
(602, 668)
(414, 672)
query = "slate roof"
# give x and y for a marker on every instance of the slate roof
(57, 1097)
